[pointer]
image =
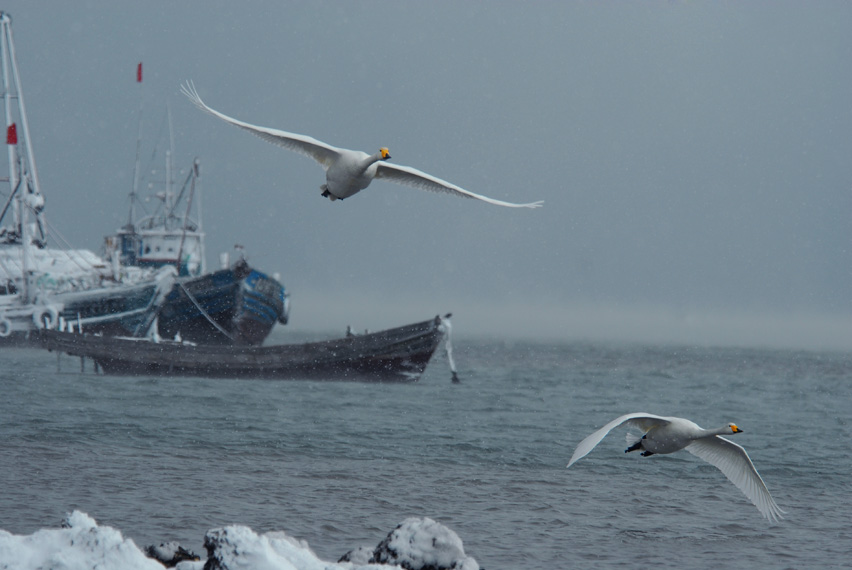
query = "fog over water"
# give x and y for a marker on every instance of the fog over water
(695, 158)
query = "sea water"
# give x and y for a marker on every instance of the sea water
(341, 464)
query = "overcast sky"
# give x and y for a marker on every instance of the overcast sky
(695, 158)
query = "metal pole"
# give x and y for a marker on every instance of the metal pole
(22, 107)
(197, 166)
(7, 95)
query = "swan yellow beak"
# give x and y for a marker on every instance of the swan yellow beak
(735, 429)
(385, 153)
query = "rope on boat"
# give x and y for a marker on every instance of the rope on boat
(448, 345)
(203, 312)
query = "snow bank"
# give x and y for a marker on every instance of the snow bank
(79, 545)
(416, 544)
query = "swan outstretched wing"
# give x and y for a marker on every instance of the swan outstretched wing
(417, 179)
(732, 460)
(323, 153)
(639, 420)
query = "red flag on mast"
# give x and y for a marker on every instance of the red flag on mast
(139, 73)
(12, 134)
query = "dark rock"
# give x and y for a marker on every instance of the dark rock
(360, 556)
(170, 553)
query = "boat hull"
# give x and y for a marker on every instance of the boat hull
(119, 311)
(236, 306)
(394, 355)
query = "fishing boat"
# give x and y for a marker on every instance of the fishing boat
(153, 276)
(236, 304)
(42, 285)
(398, 354)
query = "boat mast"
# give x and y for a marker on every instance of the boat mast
(196, 165)
(169, 202)
(134, 191)
(7, 101)
(28, 171)
(7, 32)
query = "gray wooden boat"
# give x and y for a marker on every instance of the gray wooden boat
(393, 355)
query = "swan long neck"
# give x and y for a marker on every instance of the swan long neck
(370, 160)
(724, 430)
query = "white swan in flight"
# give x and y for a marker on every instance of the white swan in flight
(348, 171)
(667, 435)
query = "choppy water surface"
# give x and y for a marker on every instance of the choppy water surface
(340, 464)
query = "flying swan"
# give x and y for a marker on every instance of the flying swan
(347, 172)
(667, 435)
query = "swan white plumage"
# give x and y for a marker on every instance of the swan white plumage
(348, 171)
(668, 434)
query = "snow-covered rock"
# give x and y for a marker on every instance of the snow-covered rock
(416, 544)
(79, 545)
(361, 555)
(423, 544)
(239, 548)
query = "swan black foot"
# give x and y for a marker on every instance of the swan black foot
(647, 453)
(635, 447)
(327, 194)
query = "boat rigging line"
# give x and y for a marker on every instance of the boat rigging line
(203, 312)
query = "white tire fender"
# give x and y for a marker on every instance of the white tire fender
(46, 317)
